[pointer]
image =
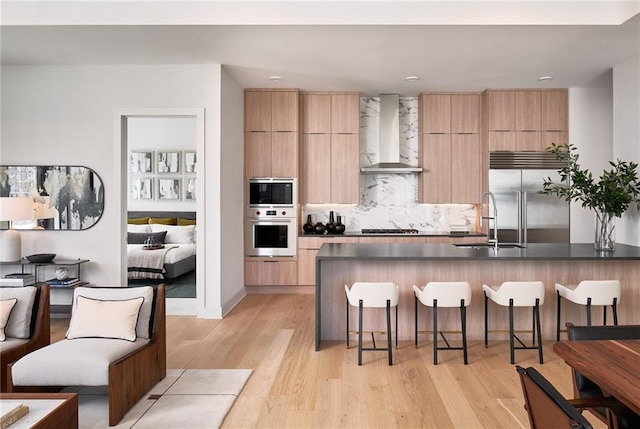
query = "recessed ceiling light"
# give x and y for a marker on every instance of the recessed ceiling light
(275, 78)
(411, 78)
(543, 78)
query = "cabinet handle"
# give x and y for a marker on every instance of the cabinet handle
(271, 262)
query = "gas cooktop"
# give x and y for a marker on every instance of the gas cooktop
(389, 231)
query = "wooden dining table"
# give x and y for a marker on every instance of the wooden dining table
(614, 365)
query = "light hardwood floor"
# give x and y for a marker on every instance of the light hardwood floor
(294, 386)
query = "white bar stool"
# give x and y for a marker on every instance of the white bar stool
(444, 294)
(588, 293)
(516, 294)
(373, 295)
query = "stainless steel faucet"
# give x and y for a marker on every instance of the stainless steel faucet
(492, 197)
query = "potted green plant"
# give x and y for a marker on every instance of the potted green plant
(610, 196)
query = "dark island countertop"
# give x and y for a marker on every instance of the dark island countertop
(358, 234)
(410, 251)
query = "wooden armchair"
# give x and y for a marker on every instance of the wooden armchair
(547, 408)
(39, 334)
(134, 365)
(623, 417)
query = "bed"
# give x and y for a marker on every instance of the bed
(179, 254)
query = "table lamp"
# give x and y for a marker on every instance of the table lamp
(13, 209)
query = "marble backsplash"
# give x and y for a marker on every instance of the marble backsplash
(389, 200)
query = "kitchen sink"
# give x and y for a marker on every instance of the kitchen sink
(488, 245)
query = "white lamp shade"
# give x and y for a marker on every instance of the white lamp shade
(16, 208)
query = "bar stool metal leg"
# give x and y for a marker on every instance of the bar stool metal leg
(463, 319)
(537, 317)
(588, 311)
(558, 318)
(415, 320)
(347, 301)
(614, 308)
(435, 331)
(360, 333)
(486, 318)
(389, 332)
(511, 345)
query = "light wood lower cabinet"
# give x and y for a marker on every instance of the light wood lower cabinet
(307, 250)
(271, 272)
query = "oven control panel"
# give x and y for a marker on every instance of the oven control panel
(271, 213)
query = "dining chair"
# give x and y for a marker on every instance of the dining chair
(584, 388)
(547, 408)
(373, 295)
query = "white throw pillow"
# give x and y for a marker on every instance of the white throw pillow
(5, 311)
(19, 324)
(176, 234)
(93, 318)
(120, 293)
(138, 228)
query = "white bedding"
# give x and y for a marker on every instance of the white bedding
(173, 255)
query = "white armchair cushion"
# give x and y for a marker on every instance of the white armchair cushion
(6, 305)
(19, 324)
(12, 343)
(81, 362)
(120, 293)
(94, 318)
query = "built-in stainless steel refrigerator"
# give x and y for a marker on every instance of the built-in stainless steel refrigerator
(523, 215)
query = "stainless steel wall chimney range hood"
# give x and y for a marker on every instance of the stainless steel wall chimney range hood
(390, 139)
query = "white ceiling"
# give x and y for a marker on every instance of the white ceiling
(370, 58)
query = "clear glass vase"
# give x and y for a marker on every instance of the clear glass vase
(605, 231)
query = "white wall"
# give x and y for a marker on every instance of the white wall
(626, 136)
(591, 131)
(175, 134)
(231, 178)
(65, 115)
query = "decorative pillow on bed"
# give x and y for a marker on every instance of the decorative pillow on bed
(94, 318)
(164, 220)
(141, 237)
(5, 310)
(176, 234)
(138, 220)
(139, 228)
(183, 221)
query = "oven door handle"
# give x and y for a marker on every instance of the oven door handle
(270, 220)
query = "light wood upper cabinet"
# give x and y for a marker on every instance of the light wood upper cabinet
(555, 110)
(436, 162)
(315, 183)
(539, 118)
(257, 111)
(284, 111)
(257, 149)
(345, 171)
(501, 110)
(271, 133)
(465, 168)
(465, 113)
(436, 113)
(330, 154)
(528, 110)
(345, 113)
(316, 113)
(284, 154)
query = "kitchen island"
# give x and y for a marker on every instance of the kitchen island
(407, 264)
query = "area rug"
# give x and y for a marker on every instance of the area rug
(191, 398)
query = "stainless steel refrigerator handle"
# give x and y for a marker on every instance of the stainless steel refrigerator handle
(519, 205)
(524, 217)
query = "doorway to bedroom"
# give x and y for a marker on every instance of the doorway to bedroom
(161, 204)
